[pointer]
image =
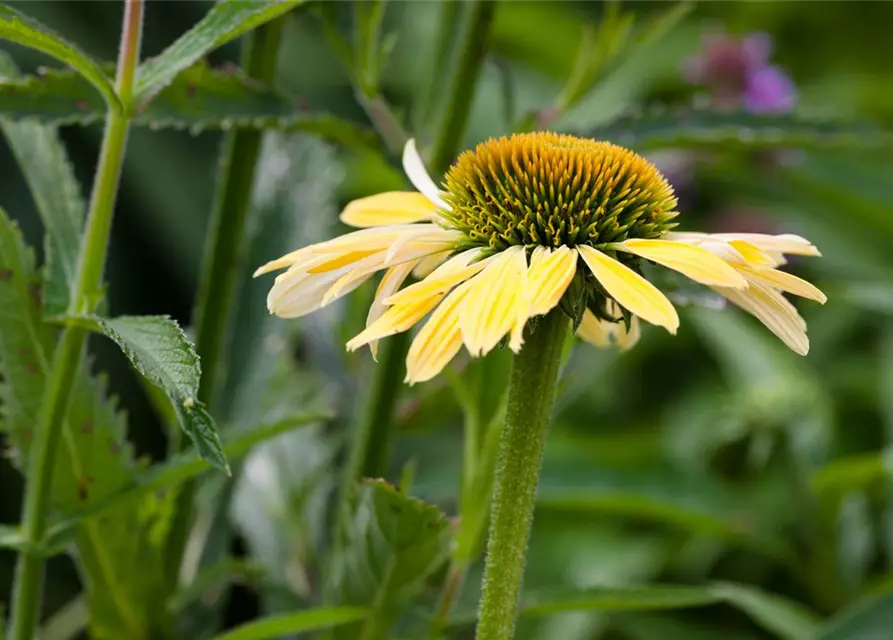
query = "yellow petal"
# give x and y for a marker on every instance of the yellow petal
(390, 282)
(694, 262)
(285, 261)
(785, 242)
(495, 301)
(630, 289)
(393, 207)
(548, 277)
(429, 264)
(786, 282)
(438, 341)
(454, 271)
(342, 260)
(752, 254)
(397, 319)
(419, 177)
(776, 313)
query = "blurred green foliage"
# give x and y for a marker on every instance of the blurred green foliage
(714, 459)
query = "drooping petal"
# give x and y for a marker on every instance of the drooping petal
(429, 264)
(393, 207)
(548, 277)
(296, 293)
(419, 177)
(776, 313)
(496, 300)
(786, 282)
(438, 341)
(785, 242)
(396, 319)
(390, 282)
(630, 290)
(454, 271)
(692, 261)
(752, 254)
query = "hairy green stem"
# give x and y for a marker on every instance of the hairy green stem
(472, 49)
(531, 396)
(70, 349)
(223, 260)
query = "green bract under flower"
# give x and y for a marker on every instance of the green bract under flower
(556, 190)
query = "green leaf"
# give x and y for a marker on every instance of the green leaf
(51, 180)
(94, 463)
(160, 351)
(784, 618)
(280, 626)
(691, 502)
(180, 468)
(392, 543)
(869, 618)
(10, 537)
(226, 21)
(724, 129)
(198, 99)
(19, 28)
(646, 598)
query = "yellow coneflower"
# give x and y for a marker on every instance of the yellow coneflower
(524, 224)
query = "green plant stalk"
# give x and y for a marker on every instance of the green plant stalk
(472, 50)
(531, 396)
(70, 349)
(223, 259)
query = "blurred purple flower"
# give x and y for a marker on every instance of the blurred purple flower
(737, 73)
(769, 90)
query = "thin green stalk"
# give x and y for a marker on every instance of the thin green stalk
(223, 260)
(70, 350)
(531, 396)
(472, 49)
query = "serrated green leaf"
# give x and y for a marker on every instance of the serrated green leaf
(284, 625)
(198, 99)
(19, 28)
(159, 350)
(226, 21)
(869, 618)
(95, 461)
(51, 180)
(392, 543)
(730, 129)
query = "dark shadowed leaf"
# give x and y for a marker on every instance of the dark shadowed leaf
(55, 190)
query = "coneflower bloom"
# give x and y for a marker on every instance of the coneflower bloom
(523, 225)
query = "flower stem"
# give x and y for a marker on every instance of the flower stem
(223, 261)
(70, 349)
(472, 49)
(531, 395)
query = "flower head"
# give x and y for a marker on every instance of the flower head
(523, 225)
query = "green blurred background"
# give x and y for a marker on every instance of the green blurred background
(688, 459)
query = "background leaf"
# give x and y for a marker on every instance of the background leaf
(19, 28)
(312, 620)
(160, 351)
(869, 618)
(392, 543)
(225, 21)
(702, 128)
(198, 99)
